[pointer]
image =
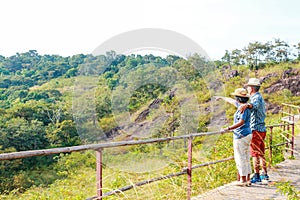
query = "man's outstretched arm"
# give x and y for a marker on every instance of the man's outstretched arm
(227, 99)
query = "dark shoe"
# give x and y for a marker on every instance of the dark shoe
(255, 180)
(264, 176)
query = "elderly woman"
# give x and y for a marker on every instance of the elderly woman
(242, 136)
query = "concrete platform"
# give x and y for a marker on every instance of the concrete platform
(288, 170)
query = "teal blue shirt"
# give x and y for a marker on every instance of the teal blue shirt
(258, 113)
(245, 129)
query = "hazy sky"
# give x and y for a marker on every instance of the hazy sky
(68, 27)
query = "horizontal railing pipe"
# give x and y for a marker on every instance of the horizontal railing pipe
(275, 125)
(212, 162)
(289, 105)
(280, 144)
(44, 152)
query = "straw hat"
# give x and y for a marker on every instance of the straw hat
(253, 82)
(240, 92)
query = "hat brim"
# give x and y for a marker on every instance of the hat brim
(252, 84)
(239, 95)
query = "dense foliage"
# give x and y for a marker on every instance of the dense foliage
(36, 109)
(35, 101)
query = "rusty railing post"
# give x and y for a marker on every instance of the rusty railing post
(293, 134)
(287, 136)
(270, 146)
(189, 170)
(283, 131)
(99, 173)
(290, 112)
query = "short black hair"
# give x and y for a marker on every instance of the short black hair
(241, 99)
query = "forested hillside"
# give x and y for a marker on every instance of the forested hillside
(36, 94)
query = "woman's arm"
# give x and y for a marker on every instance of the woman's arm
(236, 125)
(227, 99)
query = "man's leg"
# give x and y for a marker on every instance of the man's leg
(256, 152)
(256, 166)
(262, 160)
(264, 174)
(263, 164)
(255, 161)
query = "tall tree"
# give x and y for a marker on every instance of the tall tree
(227, 57)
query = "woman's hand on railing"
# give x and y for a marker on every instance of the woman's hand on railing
(224, 130)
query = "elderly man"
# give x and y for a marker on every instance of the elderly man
(258, 128)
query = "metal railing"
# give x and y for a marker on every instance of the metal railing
(187, 170)
(286, 139)
(290, 114)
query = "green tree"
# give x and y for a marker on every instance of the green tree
(237, 57)
(298, 50)
(63, 134)
(281, 50)
(227, 57)
(202, 65)
(23, 135)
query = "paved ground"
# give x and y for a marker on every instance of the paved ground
(289, 170)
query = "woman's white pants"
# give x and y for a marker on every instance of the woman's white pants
(242, 155)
